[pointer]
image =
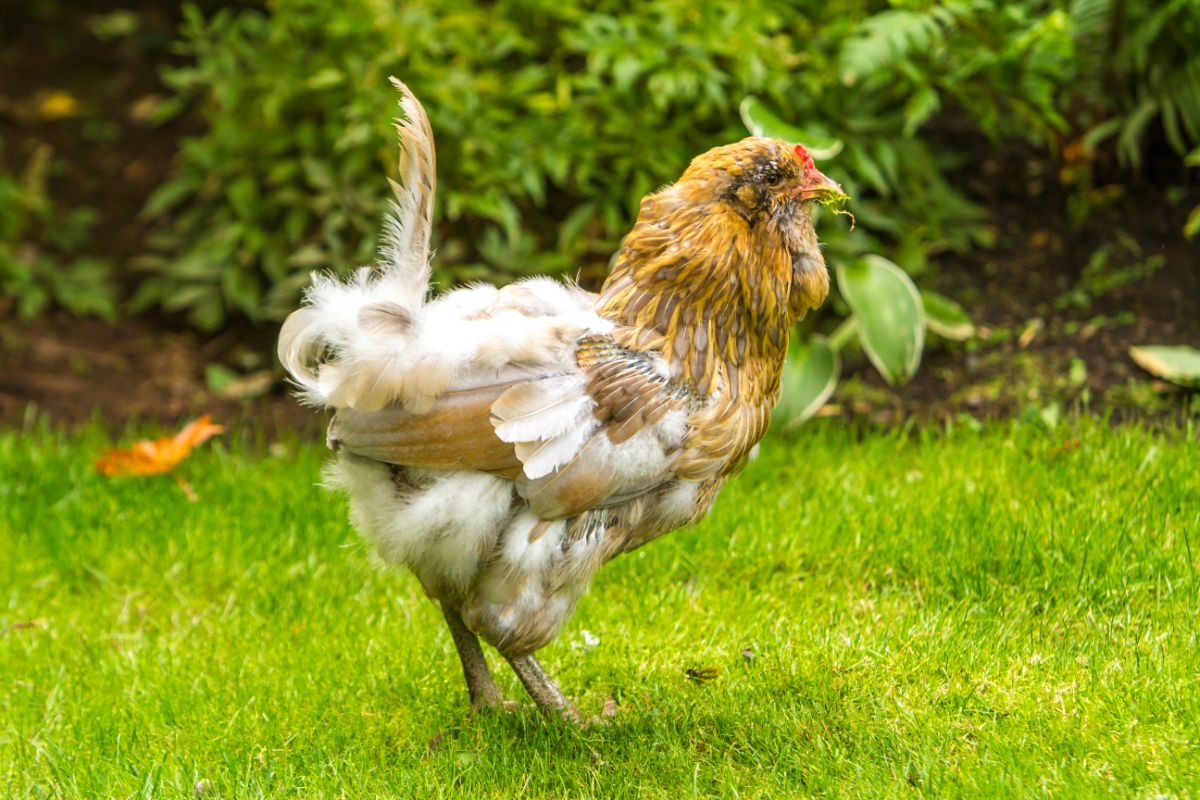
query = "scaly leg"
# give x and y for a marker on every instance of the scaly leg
(482, 690)
(542, 689)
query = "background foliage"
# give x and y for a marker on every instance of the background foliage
(554, 118)
(39, 261)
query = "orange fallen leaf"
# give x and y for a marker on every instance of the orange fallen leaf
(158, 456)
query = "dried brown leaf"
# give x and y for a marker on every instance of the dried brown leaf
(157, 456)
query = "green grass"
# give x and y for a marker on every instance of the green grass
(995, 613)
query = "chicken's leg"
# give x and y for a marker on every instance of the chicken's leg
(482, 690)
(542, 689)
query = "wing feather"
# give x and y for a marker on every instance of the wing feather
(539, 410)
(456, 433)
(575, 434)
(572, 441)
(580, 484)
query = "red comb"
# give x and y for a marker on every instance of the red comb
(803, 155)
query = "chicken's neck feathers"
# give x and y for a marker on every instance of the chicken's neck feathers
(708, 291)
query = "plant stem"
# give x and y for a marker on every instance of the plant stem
(844, 332)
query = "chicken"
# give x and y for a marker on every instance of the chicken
(503, 444)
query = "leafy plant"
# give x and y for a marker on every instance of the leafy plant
(1101, 276)
(1141, 64)
(888, 315)
(888, 318)
(1192, 226)
(40, 265)
(1138, 64)
(1004, 64)
(1178, 364)
(552, 120)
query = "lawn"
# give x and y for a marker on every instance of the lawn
(995, 612)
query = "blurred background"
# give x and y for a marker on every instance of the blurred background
(1024, 179)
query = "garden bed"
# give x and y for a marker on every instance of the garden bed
(1054, 330)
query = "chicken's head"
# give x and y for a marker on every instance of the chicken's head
(772, 186)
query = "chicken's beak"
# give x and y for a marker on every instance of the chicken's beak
(816, 186)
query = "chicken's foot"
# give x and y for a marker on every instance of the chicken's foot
(481, 688)
(542, 689)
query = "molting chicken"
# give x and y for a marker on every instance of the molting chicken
(505, 443)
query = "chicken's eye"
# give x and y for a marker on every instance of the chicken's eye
(773, 179)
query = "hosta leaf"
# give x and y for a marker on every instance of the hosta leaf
(761, 121)
(945, 317)
(809, 377)
(1178, 364)
(891, 321)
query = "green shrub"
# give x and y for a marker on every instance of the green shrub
(1140, 63)
(554, 118)
(1014, 70)
(40, 264)
(1002, 67)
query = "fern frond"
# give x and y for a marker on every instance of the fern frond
(889, 37)
(1090, 19)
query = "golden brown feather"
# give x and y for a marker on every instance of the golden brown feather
(712, 276)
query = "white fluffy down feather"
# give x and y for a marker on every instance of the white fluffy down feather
(373, 340)
(368, 342)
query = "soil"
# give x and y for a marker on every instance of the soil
(1038, 305)
(1038, 309)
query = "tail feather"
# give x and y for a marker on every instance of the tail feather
(350, 344)
(409, 223)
